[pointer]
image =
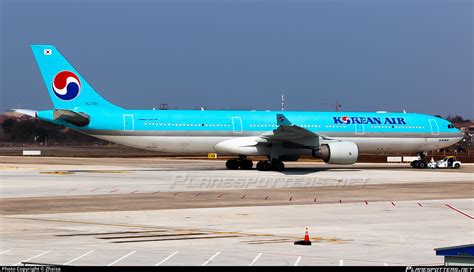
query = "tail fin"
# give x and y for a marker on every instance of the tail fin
(66, 87)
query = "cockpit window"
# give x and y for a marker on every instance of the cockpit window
(451, 126)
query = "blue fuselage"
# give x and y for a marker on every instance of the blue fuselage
(155, 129)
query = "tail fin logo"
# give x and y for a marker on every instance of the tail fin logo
(66, 85)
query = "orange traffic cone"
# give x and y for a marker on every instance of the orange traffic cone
(306, 236)
(306, 241)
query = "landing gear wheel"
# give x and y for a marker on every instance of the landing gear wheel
(264, 166)
(278, 165)
(246, 164)
(418, 164)
(259, 166)
(232, 164)
(414, 164)
(421, 162)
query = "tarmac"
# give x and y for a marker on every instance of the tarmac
(156, 211)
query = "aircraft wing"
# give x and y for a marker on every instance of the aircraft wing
(287, 134)
(291, 133)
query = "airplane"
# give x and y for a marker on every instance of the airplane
(334, 137)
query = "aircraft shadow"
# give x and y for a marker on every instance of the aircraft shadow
(309, 170)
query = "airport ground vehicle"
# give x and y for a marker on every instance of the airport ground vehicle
(447, 162)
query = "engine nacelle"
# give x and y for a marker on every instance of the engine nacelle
(339, 152)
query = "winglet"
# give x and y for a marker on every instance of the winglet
(282, 120)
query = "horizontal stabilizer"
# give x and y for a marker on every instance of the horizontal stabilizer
(31, 113)
(76, 118)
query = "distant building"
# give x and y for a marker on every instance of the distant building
(462, 255)
(467, 128)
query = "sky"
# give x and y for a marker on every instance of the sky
(369, 55)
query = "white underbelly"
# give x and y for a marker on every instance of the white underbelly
(393, 144)
(206, 144)
(172, 144)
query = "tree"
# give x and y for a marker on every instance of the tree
(7, 125)
(456, 119)
(23, 131)
(34, 130)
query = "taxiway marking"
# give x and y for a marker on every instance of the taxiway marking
(459, 211)
(341, 262)
(29, 259)
(255, 259)
(75, 259)
(210, 259)
(121, 258)
(167, 258)
(297, 261)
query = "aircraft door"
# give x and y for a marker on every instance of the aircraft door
(359, 129)
(434, 127)
(236, 124)
(128, 124)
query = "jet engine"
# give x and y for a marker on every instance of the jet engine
(338, 152)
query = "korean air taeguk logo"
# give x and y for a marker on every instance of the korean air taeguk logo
(66, 85)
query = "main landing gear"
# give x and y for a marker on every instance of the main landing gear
(242, 163)
(275, 165)
(246, 164)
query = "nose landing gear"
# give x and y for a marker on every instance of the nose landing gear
(419, 163)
